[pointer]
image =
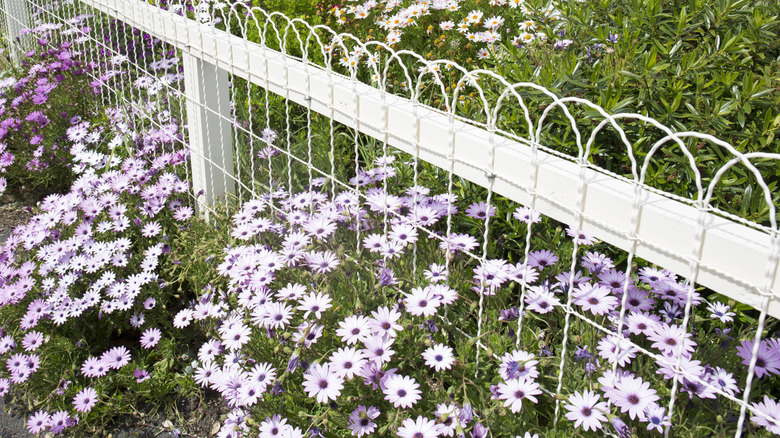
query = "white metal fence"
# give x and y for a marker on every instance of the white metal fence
(294, 60)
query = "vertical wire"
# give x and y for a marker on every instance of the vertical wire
(202, 103)
(356, 119)
(267, 112)
(234, 155)
(767, 290)
(218, 117)
(384, 122)
(582, 163)
(532, 176)
(283, 50)
(308, 99)
(250, 116)
(182, 97)
(415, 196)
(450, 180)
(491, 177)
(691, 289)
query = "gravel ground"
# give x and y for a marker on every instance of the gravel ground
(12, 213)
(11, 422)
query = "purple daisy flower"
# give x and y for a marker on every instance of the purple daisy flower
(360, 420)
(480, 210)
(85, 400)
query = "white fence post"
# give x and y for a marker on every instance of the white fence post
(210, 130)
(16, 19)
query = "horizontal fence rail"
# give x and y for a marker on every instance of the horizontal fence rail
(732, 258)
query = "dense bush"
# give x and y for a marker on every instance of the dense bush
(710, 66)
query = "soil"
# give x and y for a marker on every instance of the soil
(14, 211)
(193, 417)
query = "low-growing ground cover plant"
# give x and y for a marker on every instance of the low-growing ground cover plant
(399, 303)
(39, 101)
(324, 334)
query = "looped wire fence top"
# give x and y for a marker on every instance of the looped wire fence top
(564, 157)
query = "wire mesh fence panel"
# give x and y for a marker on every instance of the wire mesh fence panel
(577, 266)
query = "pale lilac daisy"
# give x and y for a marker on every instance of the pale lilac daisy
(384, 321)
(514, 391)
(151, 229)
(39, 422)
(436, 273)
(439, 357)
(361, 420)
(419, 428)
(527, 215)
(421, 302)
(634, 395)
(321, 383)
(586, 410)
(401, 391)
(768, 358)
(518, 364)
(346, 362)
(353, 329)
(85, 400)
(116, 357)
(32, 340)
(720, 311)
(150, 337)
(656, 418)
(771, 414)
(314, 303)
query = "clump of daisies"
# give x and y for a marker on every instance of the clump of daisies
(418, 336)
(83, 302)
(40, 101)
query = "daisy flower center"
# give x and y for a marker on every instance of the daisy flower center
(633, 399)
